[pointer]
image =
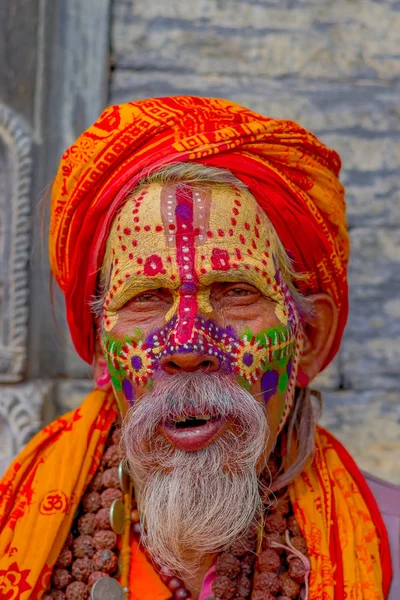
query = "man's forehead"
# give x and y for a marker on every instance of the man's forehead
(173, 233)
(217, 212)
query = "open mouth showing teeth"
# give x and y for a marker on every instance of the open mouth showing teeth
(191, 422)
(192, 433)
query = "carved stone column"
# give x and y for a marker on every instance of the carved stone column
(54, 72)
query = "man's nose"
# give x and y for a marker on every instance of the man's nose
(178, 363)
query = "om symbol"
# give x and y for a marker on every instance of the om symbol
(53, 502)
(13, 582)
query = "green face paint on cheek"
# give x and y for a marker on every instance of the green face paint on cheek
(268, 351)
(123, 357)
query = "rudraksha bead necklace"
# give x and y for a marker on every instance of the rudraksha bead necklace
(268, 563)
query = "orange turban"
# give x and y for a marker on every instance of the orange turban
(292, 175)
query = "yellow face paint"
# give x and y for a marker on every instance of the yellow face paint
(184, 238)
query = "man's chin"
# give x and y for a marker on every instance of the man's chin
(193, 437)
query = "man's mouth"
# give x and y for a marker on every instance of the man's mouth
(192, 433)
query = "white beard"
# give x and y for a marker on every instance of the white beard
(194, 504)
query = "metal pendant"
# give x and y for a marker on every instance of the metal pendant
(124, 480)
(107, 588)
(117, 517)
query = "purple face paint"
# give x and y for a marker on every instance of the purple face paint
(289, 368)
(128, 390)
(269, 384)
(136, 362)
(248, 359)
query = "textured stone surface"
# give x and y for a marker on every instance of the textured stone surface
(371, 346)
(367, 423)
(15, 238)
(71, 393)
(21, 411)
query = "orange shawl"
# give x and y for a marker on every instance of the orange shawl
(39, 494)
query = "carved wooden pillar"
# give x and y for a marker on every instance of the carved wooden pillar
(53, 83)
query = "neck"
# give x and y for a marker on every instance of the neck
(194, 583)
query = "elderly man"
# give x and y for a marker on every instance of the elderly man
(202, 251)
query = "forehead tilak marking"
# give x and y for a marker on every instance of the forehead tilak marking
(178, 205)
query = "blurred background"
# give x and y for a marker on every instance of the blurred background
(332, 66)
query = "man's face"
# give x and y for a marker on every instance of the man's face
(195, 285)
(202, 341)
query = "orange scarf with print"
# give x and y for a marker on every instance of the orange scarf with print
(338, 516)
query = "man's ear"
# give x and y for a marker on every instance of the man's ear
(100, 370)
(319, 334)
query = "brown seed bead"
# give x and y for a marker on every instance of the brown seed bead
(293, 525)
(228, 565)
(135, 516)
(82, 568)
(105, 560)
(267, 581)
(247, 564)
(252, 532)
(181, 594)
(102, 519)
(274, 522)
(69, 541)
(116, 436)
(283, 506)
(60, 578)
(174, 584)
(224, 588)
(110, 478)
(112, 456)
(297, 570)
(283, 598)
(64, 559)
(87, 524)
(83, 546)
(300, 544)
(91, 502)
(262, 595)
(241, 547)
(137, 529)
(108, 497)
(290, 588)
(77, 591)
(268, 561)
(96, 485)
(243, 586)
(268, 540)
(54, 595)
(95, 576)
(273, 469)
(104, 540)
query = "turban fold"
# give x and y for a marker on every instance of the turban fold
(292, 175)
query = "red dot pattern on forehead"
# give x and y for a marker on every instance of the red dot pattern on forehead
(225, 223)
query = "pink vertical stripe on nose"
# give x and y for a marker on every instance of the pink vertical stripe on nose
(186, 252)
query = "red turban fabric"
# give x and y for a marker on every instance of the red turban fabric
(292, 175)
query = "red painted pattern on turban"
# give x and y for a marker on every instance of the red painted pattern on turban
(293, 176)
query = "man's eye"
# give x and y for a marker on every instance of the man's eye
(239, 292)
(146, 298)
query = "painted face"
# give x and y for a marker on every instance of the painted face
(195, 272)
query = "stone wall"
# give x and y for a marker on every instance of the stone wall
(334, 67)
